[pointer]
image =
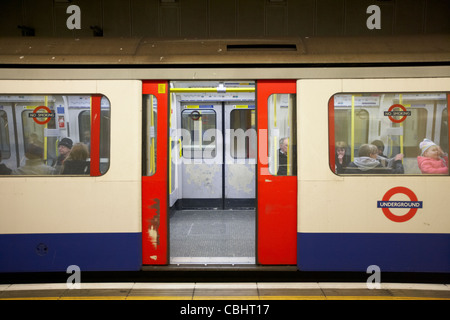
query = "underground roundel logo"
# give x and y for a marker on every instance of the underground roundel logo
(36, 115)
(386, 204)
(403, 113)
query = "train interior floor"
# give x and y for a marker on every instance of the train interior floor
(212, 236)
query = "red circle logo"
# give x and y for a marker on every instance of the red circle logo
(195, 115)
(397, 106)
(413, 209)
(49, 117)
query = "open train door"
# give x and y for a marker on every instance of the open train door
(277, 172)
(154, 173)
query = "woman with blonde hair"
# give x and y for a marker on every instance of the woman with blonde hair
(76, 162)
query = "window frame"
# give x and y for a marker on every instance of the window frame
(53, 131)
(193, 152)
(332, 125)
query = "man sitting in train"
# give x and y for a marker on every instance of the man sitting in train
(34, 165)
(4, 170)
(283, 158)
(64, 147)
(367, 162)
(395, 163)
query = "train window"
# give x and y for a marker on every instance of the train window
(150, 107)
(282, 146)
(243, 134)
(199, 142)
(33, 132)
(5, 147)
(84, 135)
(52, 134)
(389, 133)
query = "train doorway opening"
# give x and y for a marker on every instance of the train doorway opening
(212, 165)
(219, 172)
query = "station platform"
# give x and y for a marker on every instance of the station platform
(225, 291)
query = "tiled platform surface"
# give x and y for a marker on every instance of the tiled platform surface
(226, 291)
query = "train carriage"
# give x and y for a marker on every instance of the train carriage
(223, 152)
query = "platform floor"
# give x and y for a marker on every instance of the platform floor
(225, 291)
(212, 237)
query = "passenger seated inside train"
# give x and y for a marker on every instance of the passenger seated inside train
(432, 159)
(395, 163)
(4, 170)
(341, 156)
(64, 147)
(34, 164)
(367, 163)
(283, 158)
(76, 162)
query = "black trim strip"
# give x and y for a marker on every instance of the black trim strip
(228, 66)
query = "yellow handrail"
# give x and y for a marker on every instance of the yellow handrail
(275, 138)
(45, 136)
(401, 125)
(275, 157)
(352, 141)
(152, 143)
(288, 151)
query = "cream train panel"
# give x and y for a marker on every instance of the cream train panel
(328, 203)
(61, 204)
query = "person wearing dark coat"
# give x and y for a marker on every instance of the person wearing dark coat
(76, 162)
(64, 147)
(4, 170)
(283, 159)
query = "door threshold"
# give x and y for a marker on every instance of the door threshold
(212, 260)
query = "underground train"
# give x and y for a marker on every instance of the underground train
(118, 154)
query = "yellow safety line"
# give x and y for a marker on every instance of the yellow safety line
(225, 298)
(159, 298)
(368, 297)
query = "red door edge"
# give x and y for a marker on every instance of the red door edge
(155, 188)
(276, 195)
(95, 135)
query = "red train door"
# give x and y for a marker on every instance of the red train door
(277, 172)
(154, 173)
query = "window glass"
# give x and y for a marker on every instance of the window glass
(53, 134)
(389, 133)
(150, 107)
(200, 126)
(84, 132)
(243, 134)
(5, 147)
(282, 139)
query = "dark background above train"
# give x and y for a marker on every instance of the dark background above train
(210, 19)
